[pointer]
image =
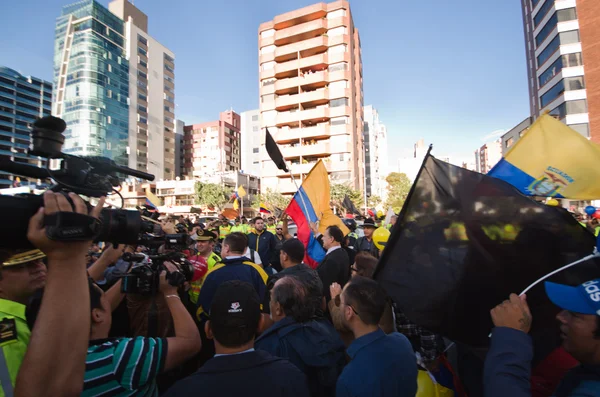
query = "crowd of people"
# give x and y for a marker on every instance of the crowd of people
(254, 319)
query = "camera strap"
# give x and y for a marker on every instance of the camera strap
(71, 226)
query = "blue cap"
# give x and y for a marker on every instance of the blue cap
(584, 299)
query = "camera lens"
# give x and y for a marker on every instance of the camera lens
(120, 226)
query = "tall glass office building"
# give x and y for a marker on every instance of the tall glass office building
(22, 101)
(91, 81)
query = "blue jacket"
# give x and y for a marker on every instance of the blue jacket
(239, 268)
(314, 347)
(507, 370)
(265, 244)
(382, 366)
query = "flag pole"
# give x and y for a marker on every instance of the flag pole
(397, 229)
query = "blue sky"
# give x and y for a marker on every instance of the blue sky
(451, 72)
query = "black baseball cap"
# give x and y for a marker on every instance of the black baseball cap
(235, 305)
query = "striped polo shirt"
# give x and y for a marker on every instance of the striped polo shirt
(124, 366)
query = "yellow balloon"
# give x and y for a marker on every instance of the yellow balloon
(379, 213)
(380, 237)
(552, 203)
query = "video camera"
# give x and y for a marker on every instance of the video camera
(89, 176)
(144, 278)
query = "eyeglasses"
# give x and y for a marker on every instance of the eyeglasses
(353, 269)
(338, 303)
(279, 228)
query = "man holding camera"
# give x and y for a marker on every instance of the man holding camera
(125, 365)
(205, 241)
(22, 275)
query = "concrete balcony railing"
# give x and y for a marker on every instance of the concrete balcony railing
(318, 149)
(323, 59)
(286, 100)
(301, 31)
(286, 186)
(317, 43)
(318, 113)
(287, 134)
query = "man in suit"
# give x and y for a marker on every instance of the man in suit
(335, 267)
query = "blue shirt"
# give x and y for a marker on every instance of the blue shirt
(382, 366)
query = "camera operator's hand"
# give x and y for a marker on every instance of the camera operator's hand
(168, 227)
(60, 250)
(112, 253)
(165, 287)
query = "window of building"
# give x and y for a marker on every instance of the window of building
(267, 82)
(267, 49)
(337, 49)
(552, 93)
(143, 97)
(267, 65)
(169, 58)
(547, 6)
(571, 60)
(338, 66)
(339, 120)
(267, 33)
(336, 14)
(570, 37)
(552, 71)
(255, 128)
(169, 98)
(142, 40)
(255, 117)
(570, 107)
(142, 75)
(546, 30)
(142, 120)
(142, 63)
(338, 102)
(170, 69)
(568, 14)
(548, 51)
(255, 162)
(267, 98)
(142, 51)
(509, 142)
(583, 129)
(142, 109)
(340, 30)
(170, 79)
(574, 83)
(336, 85)
(141, 84)
(255, 150)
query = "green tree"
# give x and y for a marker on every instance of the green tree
(374, 201)
(271, 199)
(340, 190)
(212, 195)
(398, 188)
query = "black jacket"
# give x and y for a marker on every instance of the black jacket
(256, 373)
(314, 347)
(362, 244)
(334, 268)
(265, 244)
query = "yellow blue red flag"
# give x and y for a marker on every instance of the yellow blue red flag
(152, 200)
(311, 204)
(552, 160)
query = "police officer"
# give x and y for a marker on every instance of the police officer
(224, 229)
(21, 276)
(238, 228)
(271, 226)
(205, 242)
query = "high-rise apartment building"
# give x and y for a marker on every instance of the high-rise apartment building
(179, 125)
(22, 100)
(376, 158)
(563, 54)
(91, 85)
(213, 147)
(151, 95)
(311, 95)
(488, 155)
(251, 138)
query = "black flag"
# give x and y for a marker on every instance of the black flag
(464, 241)
(349, 205)
(274, 152)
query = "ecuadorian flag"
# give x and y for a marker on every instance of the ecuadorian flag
(263, 209)
(311, 204)
(152, 200)
(552, 160)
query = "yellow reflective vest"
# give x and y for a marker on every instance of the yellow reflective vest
(14, 339)
(194, 291)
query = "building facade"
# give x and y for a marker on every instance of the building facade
(488, 155)
(91, 81)
(412, 164)
(376, 157)
(213, 147)
(311, 94)
(563, 55)
(251, 147)
(179, 125)
(151, 95)
(512, 136)
(23, 99)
